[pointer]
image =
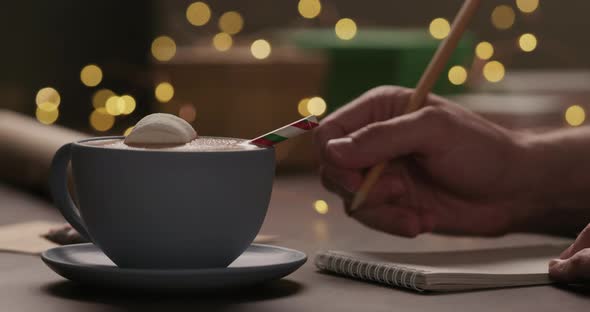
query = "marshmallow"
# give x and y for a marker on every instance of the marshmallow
(161, 128)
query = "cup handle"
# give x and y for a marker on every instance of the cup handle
(58, 184)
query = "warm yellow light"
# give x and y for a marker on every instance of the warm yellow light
(46, 117)
(316, 106)
(321, 206)
(47, 95)
(575, 115)
(128, 104)
(127, 131)
(222, 42)
(100, 120)
(484, 50)
(527, 42)
(309, 8)
(198, 13)
(47, 106)
(100, 97)
(260, 49)
(439, 28)
(163, 48)
(115, 105)
(503, 17)
(527, 6)
(164, 92)
(187, 112)
(91, 75)
(345, 29)
(493, 71)
(457, 75)
(231, 22)
(302, 107)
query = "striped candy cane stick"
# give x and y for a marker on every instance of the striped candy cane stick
(287, 132)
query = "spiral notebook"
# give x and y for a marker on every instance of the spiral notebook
(446, 271)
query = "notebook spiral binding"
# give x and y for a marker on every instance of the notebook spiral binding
(384, 273)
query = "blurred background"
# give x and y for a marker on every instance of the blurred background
(242, 68)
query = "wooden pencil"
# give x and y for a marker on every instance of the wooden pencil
(425, 84)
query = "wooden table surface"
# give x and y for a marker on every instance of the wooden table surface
(26, 284)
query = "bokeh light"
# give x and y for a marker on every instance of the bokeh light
(503, 17)
(100, 120)
(345, 29)
(309, 8)
(164, 92)
(222, 42)
(46, 117)
(129, 104)
(100, 97)
(316, 106)
(527, 42)
(260, 49)
(302, 107)
(128, 131)
(484, 50)
(575, 115)
(115, 105)
(457, 75)
(198, 13)
(187, 112)
(527, 6)
(493, 71)
(439, 28)
(163, 48)
(91, 75)
(321, 206)
(231, 22)
(47, 106)
(48, 95)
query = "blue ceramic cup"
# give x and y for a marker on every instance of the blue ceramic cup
(165, 209)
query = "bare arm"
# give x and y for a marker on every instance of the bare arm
(559, 167)
(27, 147)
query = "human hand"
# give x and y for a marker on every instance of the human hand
(449, 170)
(573, 265)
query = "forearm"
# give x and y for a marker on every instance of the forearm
(559, 166)
(27, 148)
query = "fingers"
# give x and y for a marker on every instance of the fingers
(573, 265)
(581, 242)
(575, 269)
(375, 105)
(394, 219)
(345, 182)
(415, 133)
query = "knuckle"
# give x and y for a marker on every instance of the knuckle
(400, 94)
(384, 90)
(377, 129)
(437, 116)
(579, 261)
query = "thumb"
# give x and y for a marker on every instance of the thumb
(581, 242)
(572, 270)
(383, 141)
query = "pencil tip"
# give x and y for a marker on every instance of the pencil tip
(358, 199)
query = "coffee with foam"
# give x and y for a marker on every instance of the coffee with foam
(200, 144)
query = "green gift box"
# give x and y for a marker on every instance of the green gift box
(377, 57)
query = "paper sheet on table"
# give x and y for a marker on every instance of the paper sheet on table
(26, 237)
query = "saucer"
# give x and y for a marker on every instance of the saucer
(86, 264)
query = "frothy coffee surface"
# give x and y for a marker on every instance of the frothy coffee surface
(200, 144)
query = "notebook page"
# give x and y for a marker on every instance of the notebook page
(512, 260)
